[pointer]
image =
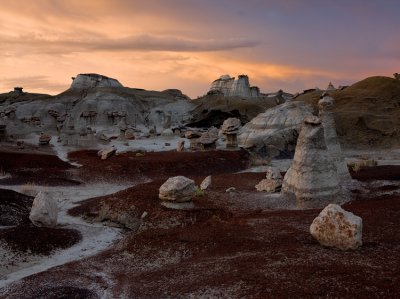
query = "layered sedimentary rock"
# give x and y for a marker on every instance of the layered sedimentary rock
(312, 177)
(274, 133)
(228, 86)
(85, 81)
(326, 115)
(230, 129)
(44, 210)
(335, 227)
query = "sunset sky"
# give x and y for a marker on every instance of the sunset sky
(186, 44)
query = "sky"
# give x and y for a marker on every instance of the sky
(186, 44)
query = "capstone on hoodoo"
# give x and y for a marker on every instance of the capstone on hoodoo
(84, 81)
(229, 87)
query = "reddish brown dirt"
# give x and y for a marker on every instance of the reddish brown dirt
(38, 168)
(14, 208)
(216, 251)
(39, 240)
(382, 172)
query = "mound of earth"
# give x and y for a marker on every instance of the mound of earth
(366, 113)
(14, 208)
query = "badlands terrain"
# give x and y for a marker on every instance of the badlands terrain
(100, 152)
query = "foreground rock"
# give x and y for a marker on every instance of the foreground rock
(274, 133)
(335, 227)
(44, 210)
(106, 153)
(272, 182)
(325, 106)
(177, 190)
(312, 177)
(206, 183)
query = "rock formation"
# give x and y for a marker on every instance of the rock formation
(85, 81)
(312, 177)
(180, 147)
(335, 227)
(177, 192)
(396, 76)
(274, 133)
(193, 137)
(228, 86)
(44, 210)
(230, 128)
(272, 182)
(326, 115)
(44, 139)
(208, 139)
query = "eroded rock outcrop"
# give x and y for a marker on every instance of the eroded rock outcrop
(44, 210)
(312, 177)
(208, 139)
(177, 192)
(335, 227)
(274, 133)
(273, 181)
(230, 128)
(228, 86)
(326, 115)
(85, 81)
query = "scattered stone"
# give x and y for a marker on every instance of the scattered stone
(44, 139)
(312, 177)
(180, 147)
(335, 227)
(231, 189)
(272, 182)
(144, 215)
(44, 210)
(206, 183)
(20, 144)
(177, 189)
(106, 153)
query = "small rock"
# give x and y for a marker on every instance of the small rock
(180, 147)
(205, 183)
(106, 153)
(231, 189)
(269, 185)
(335, 227)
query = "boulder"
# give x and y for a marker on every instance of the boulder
(178, 189)
(274, 133)
(312, 177)
(205, 183)
(44, 139)
(44, 210)
(231, 126)
(326, 115)
(335, 227)
(208, 139)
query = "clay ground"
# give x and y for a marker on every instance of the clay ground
(232, 245)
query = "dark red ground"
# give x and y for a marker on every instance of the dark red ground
(225, 248)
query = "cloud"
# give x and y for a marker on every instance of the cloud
(140, 42)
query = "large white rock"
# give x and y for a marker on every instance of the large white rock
(312, 177)
(177, 189)
(274, 133)
(335, 227)
(325, 106)
(44, 210)
(84, 81)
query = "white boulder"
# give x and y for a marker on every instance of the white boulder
(44, 210)
(177, 189)
(335, 227)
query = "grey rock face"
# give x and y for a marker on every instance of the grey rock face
(312, 178)
(335, 227)
(85, 81)
(274, 133)
(325, 106)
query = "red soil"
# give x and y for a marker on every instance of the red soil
(224, 248)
